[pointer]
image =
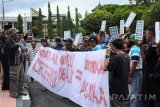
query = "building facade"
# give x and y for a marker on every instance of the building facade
(35, 15)
(27, 22)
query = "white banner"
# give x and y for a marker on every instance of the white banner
(157, 30)
(139, 29)
(78, 76)
(121, 30)
(103, 25)
(130, 19)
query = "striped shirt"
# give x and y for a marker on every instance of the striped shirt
(32, 53)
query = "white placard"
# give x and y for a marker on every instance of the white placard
(72, 75)
(121, 30)
(139, 29)
(67, 34)
(157, 31)
(113, 32)
(78, 39)
(103, 25)
(130, 19)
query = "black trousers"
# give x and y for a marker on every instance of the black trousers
(6, 80)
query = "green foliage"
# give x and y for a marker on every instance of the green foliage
(58, 23)
(152, 14)
(92, 22)
(35, 31)
(40, 23)
(77, 21)
(69, 20)
(114, 13)
(50, 29)
(20, 23)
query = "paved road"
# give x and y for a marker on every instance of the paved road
(41, 98)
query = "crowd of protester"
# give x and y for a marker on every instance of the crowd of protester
(133, 65)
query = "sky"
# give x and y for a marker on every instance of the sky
(13, 8)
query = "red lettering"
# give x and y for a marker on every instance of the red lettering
(94, 66)
(89, 93)
(66, 74)
(67, 60)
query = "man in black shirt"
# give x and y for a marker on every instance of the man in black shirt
(119, 66)
(150, 61)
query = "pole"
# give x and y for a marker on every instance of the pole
(3, 13)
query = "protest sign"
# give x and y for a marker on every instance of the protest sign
(103, 25)
(121, 27)
(79, 76)
(157, 31)
(139, 29)
(78, 39)
(113, 32)
(67, 34)
(130, 19)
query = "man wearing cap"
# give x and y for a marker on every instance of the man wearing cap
(85, 44)
(135, 75)
(93, 42)
(15, 60)
(3, 58)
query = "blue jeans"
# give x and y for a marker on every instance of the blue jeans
(135, 89)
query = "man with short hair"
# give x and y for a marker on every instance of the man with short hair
(15, 64)
(69, 45)
(136, 74)
(119, 66)
(4, 59)
(151, 58)
(59, 45)
(93, 42)
(32, 53)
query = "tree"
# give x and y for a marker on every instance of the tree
(35, 31)
(50, 30)
(20, 23)
(152, 14)
(92, 22)
(145, 2)
(77, 20)
(69, 20)
(40, 25)
(58, 22)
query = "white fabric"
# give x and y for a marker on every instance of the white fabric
(78, 76)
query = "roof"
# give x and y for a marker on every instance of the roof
(35, 13)
(97, 7)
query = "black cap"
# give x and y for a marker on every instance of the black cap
(7, 26)
(93, 38)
